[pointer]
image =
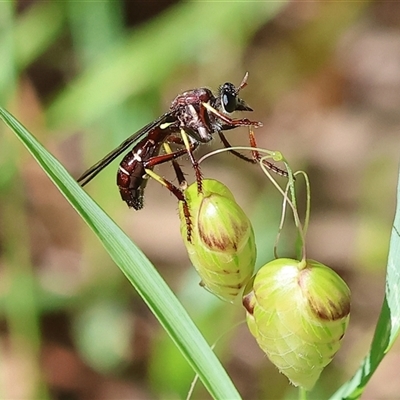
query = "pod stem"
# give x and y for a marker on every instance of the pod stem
(290, 200)
(302, 393)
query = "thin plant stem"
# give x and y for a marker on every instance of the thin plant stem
(291, 201)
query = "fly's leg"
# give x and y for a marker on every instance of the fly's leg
(177, 168)
(233, 123)
(190, 147)
(256, 155)
(229, 121)
(177, 192)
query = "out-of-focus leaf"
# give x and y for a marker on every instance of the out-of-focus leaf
(7, 49)
(133, 65)
(37, 29)
(388, 327)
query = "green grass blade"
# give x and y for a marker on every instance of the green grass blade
(136, 267)
(388, 327)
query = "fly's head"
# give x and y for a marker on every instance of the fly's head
(228, 99)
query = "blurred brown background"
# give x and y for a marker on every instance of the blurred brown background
(324, 78)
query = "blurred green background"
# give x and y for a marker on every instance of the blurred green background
(324, 78)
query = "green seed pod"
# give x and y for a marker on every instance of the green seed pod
(298, 312)
(222, 246)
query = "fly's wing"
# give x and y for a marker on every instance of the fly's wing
(88, 175)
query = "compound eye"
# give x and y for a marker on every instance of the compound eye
(229, 100)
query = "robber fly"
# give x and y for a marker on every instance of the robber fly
(197, 113)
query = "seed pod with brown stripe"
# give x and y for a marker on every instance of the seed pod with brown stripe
(222, 246)
(298, 312)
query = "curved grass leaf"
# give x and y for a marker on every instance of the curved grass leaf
(388, 327)
(136, 267)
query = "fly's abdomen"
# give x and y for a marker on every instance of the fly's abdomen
(131, 180)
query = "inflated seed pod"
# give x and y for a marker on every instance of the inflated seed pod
(221, 246)
(298, 312)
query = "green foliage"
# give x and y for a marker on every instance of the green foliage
(168, 310)
(111, 80)
(388, 326)
(136, 267)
